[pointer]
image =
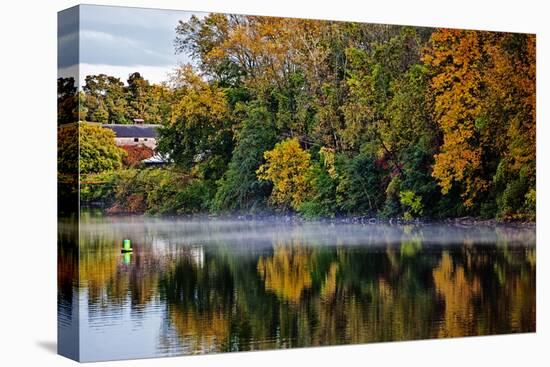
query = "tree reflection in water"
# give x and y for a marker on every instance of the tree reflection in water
(220, 296)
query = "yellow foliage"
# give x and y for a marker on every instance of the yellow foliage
(269, 48)
(484, 102)
(287, 272)
(455, 56)
(199, 101)
(458, 293)
(329, 287)
(286, 167)
(205, 331)
(328, 156)
(512, 81)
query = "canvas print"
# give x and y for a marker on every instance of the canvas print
(232, 183)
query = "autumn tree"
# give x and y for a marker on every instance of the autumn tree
(511, 78)
(199, 127)
(97, 149)
(286, 167)
(377, 120)
(456, 57)
(257, 49)
(160, 102)
(387, 115)
(135, 154)
(283, 63)
(67, 101)
(86, 149)
(483, 85)
(67, 149)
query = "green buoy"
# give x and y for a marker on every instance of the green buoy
(126, 246)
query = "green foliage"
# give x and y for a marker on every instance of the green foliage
(330, 118)
(67, 101)
(379, 86)
(323, 201)
(416, 177)
(240, 189)
(361, 188)
(515, 198)
(106, 99)
(159, 191)
(67, 149)
(152, 191)
(138, 97)
(98, 188)
(200, 126)
(392, 205)
(530, 204)
(412, 203)
(195, 197)
(98, 152)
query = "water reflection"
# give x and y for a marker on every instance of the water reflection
(212, 286)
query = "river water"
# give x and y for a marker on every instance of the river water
(210, 285)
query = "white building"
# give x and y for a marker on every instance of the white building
(135, 134)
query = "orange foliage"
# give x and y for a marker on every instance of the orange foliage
(205, 331)
(484, 102)
(512, 81)
(455, 55)
(135, 154)
(458, 293)
(268, 48)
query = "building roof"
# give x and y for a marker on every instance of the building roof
(134, 131)
(157, 159)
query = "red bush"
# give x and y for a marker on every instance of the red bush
(135, 154)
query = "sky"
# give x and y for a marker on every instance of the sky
(118, 41)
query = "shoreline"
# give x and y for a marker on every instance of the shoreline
(296, 218)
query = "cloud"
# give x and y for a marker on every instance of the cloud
(98, 47)
(119, 41)
(155, 74)
(67, 49)
(67, 37)
(98, 36)
(121, 16)
(129, 36)
(68, 72)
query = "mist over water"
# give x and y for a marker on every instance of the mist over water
(195, 286)
(260, 233)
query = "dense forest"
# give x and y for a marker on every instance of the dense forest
(322, 119)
